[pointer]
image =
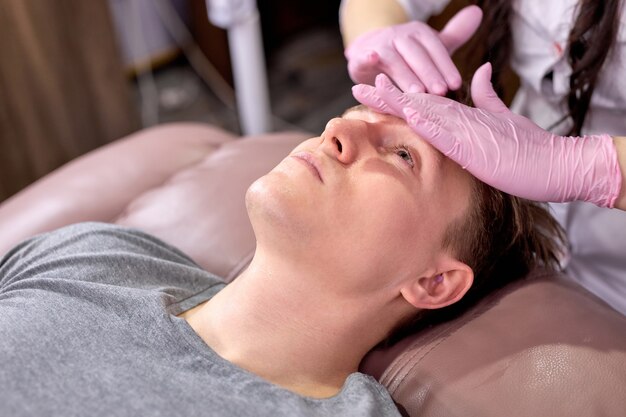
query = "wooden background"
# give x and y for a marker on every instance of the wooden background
(63, 90)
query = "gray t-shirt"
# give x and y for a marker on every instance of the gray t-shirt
(88, 327)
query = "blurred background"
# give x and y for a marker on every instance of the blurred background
(76, 74)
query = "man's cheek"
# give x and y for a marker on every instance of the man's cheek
(307, 144)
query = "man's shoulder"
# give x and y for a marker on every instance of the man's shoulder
(96, 238)
(105, 253)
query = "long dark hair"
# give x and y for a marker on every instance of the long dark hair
(590, 41)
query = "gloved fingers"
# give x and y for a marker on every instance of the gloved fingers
(398, 100)
(432, 128)
(395, 99)
(402, 75)
(482, 91)
(364, 67)
(461, 28)
(366, 94)
(442, 60)
(418, 59)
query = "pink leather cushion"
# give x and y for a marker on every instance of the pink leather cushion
(539, 347)
(100, 184)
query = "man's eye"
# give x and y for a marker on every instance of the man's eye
(404, 153)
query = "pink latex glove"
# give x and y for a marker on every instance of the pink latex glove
(505, 150)
(414, 55)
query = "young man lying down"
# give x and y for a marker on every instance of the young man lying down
(358, 232)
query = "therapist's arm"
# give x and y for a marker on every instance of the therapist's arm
(360, 16)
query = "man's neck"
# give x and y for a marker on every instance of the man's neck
(288, 330)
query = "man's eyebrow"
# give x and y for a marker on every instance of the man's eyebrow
(358, 107)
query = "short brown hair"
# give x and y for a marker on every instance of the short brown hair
(502, 238)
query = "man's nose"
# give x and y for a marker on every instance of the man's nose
(343, 139)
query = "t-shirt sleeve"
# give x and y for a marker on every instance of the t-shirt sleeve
(103, 253)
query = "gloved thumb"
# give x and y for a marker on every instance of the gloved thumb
(483, 95)
(461, 27)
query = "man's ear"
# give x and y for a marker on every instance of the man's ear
(439, 290)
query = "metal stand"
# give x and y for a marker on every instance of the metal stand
(241, 19)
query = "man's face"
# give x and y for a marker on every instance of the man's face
(368, 201)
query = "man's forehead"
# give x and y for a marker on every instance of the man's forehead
(357, 108)
(360, 111)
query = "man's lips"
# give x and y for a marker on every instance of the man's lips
(309, 160)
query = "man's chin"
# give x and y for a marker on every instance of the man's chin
(276, 207)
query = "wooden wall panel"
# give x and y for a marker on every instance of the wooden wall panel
(63, 90)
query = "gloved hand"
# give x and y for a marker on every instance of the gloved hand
(505, 150)
(415, 56)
